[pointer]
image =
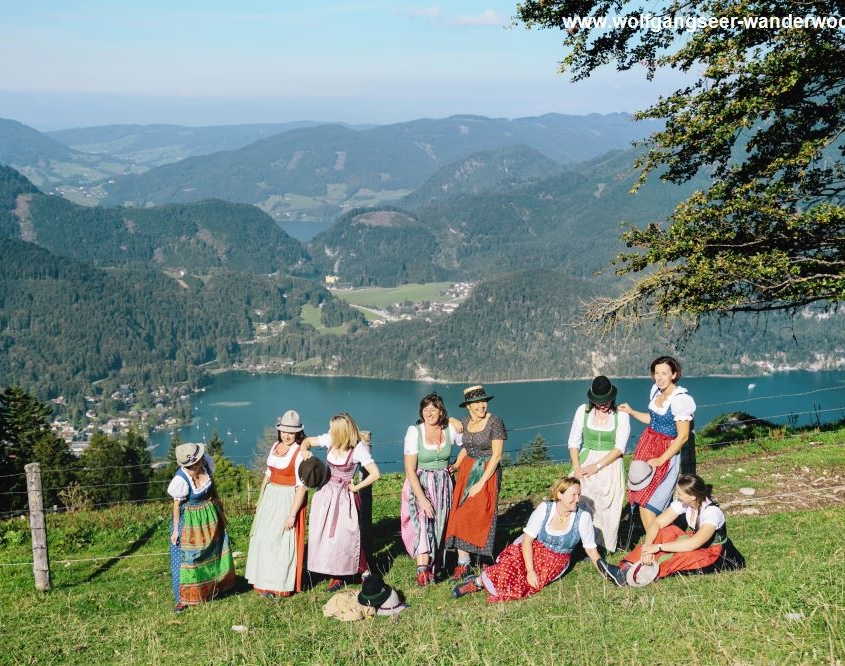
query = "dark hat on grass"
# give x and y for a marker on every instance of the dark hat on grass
(374, 591)
(475, 394)
(602, 391)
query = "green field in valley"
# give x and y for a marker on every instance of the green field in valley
(381, 297)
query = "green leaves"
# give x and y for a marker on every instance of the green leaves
(764, 119)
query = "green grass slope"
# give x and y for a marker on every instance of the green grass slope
(111, 603)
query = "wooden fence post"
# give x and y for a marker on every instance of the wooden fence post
(37, 527)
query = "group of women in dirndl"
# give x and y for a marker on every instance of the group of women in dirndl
(453, 506)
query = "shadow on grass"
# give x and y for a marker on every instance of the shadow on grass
(141, 541)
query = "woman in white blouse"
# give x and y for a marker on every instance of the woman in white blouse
(704, 547)
(597, 441)
(276, 555)
(428, 487)
(542, 554)
(669, 418)
(201, 563)
(334, 530)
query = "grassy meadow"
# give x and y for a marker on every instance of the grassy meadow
(381, 297)
(111, 601)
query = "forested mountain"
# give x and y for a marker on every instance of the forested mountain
(480, 227)
(154, 145)
(313, 173)
(384, 247)
(569, 222)
(202, 237)
(519, 326)
(23, 145)
(485, 172)
(49, 163)
(69, 329)
(149, 295)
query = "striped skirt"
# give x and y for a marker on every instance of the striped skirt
(201, 565)
(421, 534)
(334, 534)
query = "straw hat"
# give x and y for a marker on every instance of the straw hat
(189, 454)
(475, 394)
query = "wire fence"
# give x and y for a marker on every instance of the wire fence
(557, 453)
(66, 561)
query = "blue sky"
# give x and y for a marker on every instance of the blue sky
(93, 62)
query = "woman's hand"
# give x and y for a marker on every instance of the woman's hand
(650, 549)
(654, 462)
(290, 521)
(475, 488)
(426, 506)
(457, 426)
(305, 454)
(647, 554)
(532, 579)
(625, 407)
(589, 470)
(174, 536)
(352, 487)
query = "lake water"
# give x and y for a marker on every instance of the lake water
(243, 407)
(303, 231)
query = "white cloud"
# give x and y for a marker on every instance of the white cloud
(432, 12)
(489, 17)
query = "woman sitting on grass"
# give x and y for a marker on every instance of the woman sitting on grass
(543, 552)
(703, 548)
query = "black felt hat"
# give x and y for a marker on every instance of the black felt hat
(374, 591)
(601, 391)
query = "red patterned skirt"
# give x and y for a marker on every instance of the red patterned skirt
(508, 574)
(651, 444)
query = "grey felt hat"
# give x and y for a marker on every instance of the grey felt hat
(640, 474)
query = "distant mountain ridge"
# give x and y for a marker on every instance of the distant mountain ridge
(154, 145)
(487, 223)
(317, 172)
(23, 145)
